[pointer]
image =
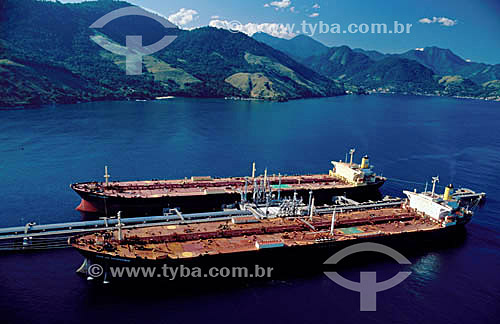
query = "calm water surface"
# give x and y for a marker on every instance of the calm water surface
(43, 150)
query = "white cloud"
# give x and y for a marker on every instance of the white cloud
(440, 20)
(279, 4)
(215, 17)
(314, 15)
(447, 21)
(425, 21)
(273, 29)
(316, 6)
(183, 16)
(154, 12)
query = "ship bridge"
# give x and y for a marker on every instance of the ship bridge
(352, 172)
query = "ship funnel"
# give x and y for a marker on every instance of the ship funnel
(365, 162)
(448, 191)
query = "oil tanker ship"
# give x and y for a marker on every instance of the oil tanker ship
(287, 231)
(141, 198)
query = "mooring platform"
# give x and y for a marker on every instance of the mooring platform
(35, 237)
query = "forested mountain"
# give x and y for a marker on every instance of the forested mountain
(46, 55)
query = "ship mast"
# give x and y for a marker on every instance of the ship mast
(279, 186)
(106, 175)
(333, 221)
(312, 210)
(265, 180)
(351, 152)
(119, 225)
(434, 181)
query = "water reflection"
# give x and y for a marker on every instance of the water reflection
(427, 267)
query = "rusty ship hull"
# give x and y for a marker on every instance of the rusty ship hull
(297, 260)
(197, 198)
(278, 239)
(356, 181)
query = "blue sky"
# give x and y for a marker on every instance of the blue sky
(470, 28)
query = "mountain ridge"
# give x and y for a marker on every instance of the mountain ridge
(47, 56)
(351, 66)
(298, 48)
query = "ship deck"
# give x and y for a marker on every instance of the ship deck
(205, 185)
(188, 241)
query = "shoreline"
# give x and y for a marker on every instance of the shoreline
(432, 95)
(160, 98)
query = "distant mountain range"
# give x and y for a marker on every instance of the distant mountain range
(298, 48)
(46, 56)
(444, 62)
(425, 70)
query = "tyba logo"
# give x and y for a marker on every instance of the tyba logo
(133, 51)
(368, 285)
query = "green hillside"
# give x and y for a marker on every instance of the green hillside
(46, 56)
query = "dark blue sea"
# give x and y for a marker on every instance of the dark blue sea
(409, 140)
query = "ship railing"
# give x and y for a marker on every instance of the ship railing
(108, 223)
(32, 236)
(361, 206)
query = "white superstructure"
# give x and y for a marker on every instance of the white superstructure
(428, 204)
(354, 173)
(449, 208)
